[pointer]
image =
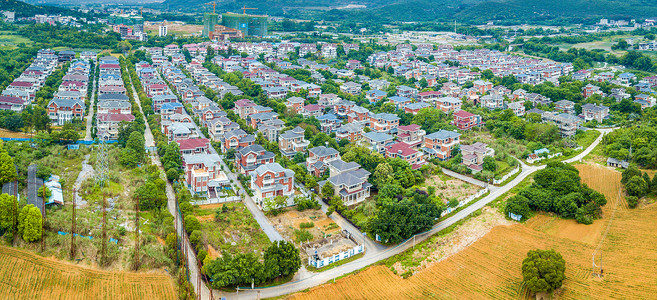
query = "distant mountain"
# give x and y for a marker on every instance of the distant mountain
(23, 9)
(465, 11)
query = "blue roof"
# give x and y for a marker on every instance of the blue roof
(377, 93)
(542, 150)
(443, 135)
(171, 105)
(378, 136)
(327, 117)
(398, 99)
(418, 105)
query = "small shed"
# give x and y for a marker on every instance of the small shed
(612, 162)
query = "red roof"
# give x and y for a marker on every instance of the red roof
(110, 66)
(463, 114)
(20, 83)
(191, 144)
(400, 148)
(411, 127)
(312, 107)
(11, 99)
(429, 93)
(75, 83)
(157, 86)
(115, 117)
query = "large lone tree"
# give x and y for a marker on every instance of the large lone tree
(543, 270)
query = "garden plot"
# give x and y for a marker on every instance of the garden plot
(230, 227)
(303, 226)
(449, 188)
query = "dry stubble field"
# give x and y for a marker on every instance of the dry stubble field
(490, 267)
(24, 275)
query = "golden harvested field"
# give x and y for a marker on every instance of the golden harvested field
(24, 275)
(490, 267)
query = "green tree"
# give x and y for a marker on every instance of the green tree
(629, 173)
(543, 270)
(8, 212)
(30, 223)
(383, 174)
(282, 259)
(7, 169)
(637, 187)
(490, 164)
(191, 224)
(632, 201)
(327, 190)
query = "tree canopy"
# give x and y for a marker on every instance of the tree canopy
(543, 270)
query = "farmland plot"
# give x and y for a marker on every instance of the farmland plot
(24, 275)
(491, 267)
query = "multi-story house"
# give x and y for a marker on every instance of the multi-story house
(405, 91)
(271, 180)
(428, 96)
(374, 96)
(518, 108)
(349, 184)
(200, 170)
(377, 141)
(414, 108)
(249, 158)
(318, 159)
(194, 146)
(590, 90)
(465, 120)
(473, 155)
(62, 111)
(236, 139)
(482, 86)
(292, 141)
(108, 124)
(448, 104)
(595, 112)
(492, 102)
(383, 122)
(350, 131)
(351, 88)
(405, 152)
(412, 135)
(565, 106)
(567, 123)
(440, 144)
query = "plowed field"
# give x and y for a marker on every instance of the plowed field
(24, 275)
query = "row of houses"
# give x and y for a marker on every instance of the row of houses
(22, 91)
(113, 106)
(68, 102)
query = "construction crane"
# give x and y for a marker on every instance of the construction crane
(244, 8)
(214, 6)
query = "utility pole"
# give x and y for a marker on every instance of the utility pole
(73, 221)
(137, 232)
(103, 251)
(43, 218)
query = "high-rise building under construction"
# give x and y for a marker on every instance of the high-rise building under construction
(209, 21)
(250, 25)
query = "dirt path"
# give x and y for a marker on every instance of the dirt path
(86, 172)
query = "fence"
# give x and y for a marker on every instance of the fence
(505, 177)
(316, 262)
(465, 201)
(6, 139)
(217, 200)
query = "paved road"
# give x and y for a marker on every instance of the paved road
(90, 115)
(469, 179)
(375, 256)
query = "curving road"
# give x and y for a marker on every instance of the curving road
(372, 257)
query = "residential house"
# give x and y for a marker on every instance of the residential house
(567, 123)
(473, 155)
(412, 135)
(271, 180)
(249, 158)
(405, 152)
(595, 112)
(440, 144)
(377, 141)
(448, 104)
(292, 142)
(565, 106)
(318, 159)
(465, 120)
